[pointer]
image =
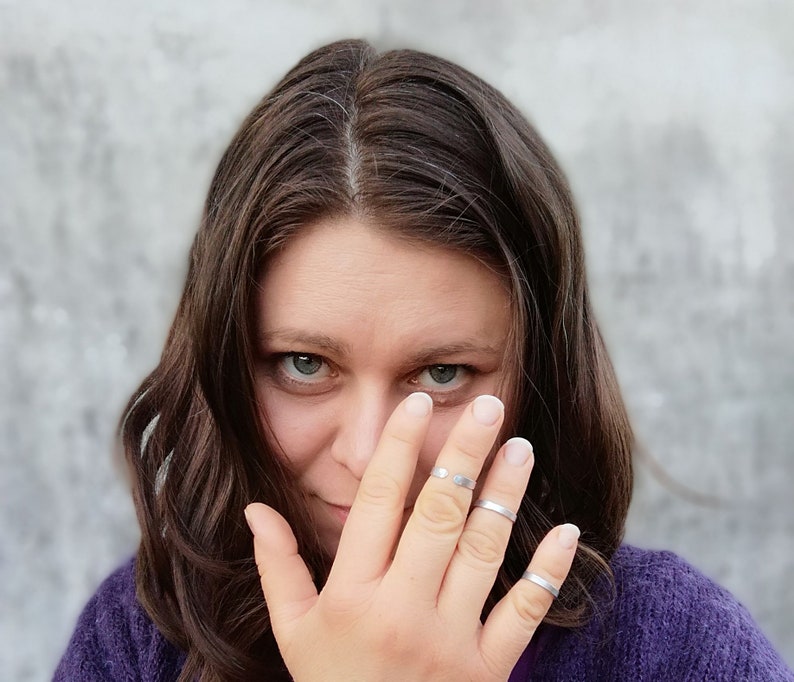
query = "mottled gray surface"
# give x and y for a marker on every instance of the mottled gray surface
(674, 122)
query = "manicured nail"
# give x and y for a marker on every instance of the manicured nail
(487, 410)
(418, 404)
(567, 535)
(254, 520)
(517, 451)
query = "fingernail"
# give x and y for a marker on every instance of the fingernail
(568, 535)
(254, 523)
(517, 451)
(248, 519)
(418, 404)
(487, 410)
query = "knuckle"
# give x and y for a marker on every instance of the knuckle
(550, 569)
(506, 490)
(261, 569)
(556, 574)
(529, 606)
(480, 548)
(389, 640)
(493, 666)
(379, 488)
(342, 608)
(396, 645)
(470, 448)
(392, 633)
(401, 440)
(440, 513)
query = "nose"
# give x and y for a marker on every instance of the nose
(361, 418)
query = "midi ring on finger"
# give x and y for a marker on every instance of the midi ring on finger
(541, 582)
(464, 481)
(498, 508)
(457, 479)
(439, 472)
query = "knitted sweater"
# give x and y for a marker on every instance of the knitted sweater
(667, 622)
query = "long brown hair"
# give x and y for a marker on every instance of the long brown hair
(417, 145)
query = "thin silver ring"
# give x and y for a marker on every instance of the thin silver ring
(541, 582)
(439, 472)
(457, 479)
(464, 481)
(498, 508)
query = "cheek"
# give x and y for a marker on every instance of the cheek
(296, 434)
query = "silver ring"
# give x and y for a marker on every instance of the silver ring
(498, 508)
(464, 481)
(457, 479)
(541, 582)
(439, 472)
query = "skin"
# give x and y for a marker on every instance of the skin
(357, 301)
(378, 359)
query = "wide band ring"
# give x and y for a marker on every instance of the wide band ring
(541, 582)
(498, 508)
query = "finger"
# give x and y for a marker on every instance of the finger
(371, 529)
(515, 618)
(440, 511)
(482, 544)
(286, 582)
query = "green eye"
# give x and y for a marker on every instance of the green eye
(306, 364)
(302, 372)
(443, 374)
(443, 378)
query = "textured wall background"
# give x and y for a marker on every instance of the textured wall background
(673, 121)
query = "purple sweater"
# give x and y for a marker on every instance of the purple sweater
(668, 622)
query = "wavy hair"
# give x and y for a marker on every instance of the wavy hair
(419, 146)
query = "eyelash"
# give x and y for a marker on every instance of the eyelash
(281, 375)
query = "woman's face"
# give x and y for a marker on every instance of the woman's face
(350, 320)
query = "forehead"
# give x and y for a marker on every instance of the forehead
(357, 284)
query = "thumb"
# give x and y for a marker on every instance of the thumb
(286, 582)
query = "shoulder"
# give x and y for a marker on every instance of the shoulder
(646, 580)
(115, 639)
(666, 620)
(673, 607)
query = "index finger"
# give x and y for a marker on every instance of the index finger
(375, 519)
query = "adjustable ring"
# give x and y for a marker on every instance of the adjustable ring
(498, 508)
(464, 481)
(457, 479)
(439, 472)
(541, 582)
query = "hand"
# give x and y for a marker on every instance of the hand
(413, 613)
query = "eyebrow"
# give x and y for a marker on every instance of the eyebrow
(424, 356)
(298, 337)
(428, 355)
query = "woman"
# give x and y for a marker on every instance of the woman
(387, 284)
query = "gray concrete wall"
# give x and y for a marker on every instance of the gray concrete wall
(673, 119)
